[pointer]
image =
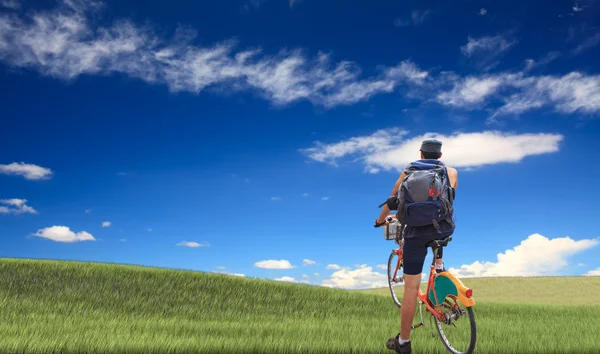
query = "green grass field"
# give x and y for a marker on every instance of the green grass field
(72, 307)
(531, 290)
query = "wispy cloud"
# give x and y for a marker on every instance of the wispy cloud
(324, 198)
(471, 91)
(29, 171)
(62, 43)
(391, 149)
(416, 18)
(275, 199)
(530, 64)
(193, 244)
(382, 266)
(63, 234)
(308, 262)
(11, 4)
(15, 206)
(106, 224)
(482, 12)
(567, 94)
(485, 51)
(333, 267)
(588, 43)
(274, 264)
(526, 260)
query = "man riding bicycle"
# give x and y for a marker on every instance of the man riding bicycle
(420, 195)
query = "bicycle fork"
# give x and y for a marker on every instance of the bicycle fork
(422, 323)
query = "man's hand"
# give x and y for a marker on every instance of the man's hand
(379, 223)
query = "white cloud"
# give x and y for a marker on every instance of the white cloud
(274, 264)
(221, 267)
(123, 240)
(236, 274)
(570, 93)
(15, 206)
(232, 274)
(64, 43)
(530, 64)
(416, 18)
(276, 199)
(485, 50)
(324, 198)
(482, 12)
(593, 273)
(363, 277)
(495, 44)
(192, 244)
(382, 266)
(149, 229)
(333, 267)
(63, 234)
(316, 274)
(88, 211)
(287, 279)
(574, 92)
(389, 149)
(307, 262)
(536, 255)
(29, 171)
(470, 91)
(305, 276)
(106, 224)
(305, 195)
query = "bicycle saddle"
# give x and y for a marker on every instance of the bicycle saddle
(439, 243)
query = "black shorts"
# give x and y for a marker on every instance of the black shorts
(415, 251)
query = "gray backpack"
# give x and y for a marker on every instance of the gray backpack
(425, 196)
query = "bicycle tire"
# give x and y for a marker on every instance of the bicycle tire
(473, 340)
(391, 268)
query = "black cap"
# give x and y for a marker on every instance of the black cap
(431, 145)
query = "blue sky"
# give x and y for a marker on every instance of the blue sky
(257, 137)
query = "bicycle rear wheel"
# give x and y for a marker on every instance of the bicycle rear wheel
(459, 331)
(395, 267)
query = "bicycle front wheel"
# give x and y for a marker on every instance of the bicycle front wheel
(395, 276)
(458, 332)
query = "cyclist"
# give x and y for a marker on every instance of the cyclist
(414, 249)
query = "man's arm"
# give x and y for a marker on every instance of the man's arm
(453, 176)
(386, 210)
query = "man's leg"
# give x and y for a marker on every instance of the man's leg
(439, 265)
(414, 253)
(409, 303)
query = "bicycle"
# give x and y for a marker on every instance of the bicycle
(440, 286)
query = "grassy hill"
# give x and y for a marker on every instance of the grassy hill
(73, 307)
(528, 290)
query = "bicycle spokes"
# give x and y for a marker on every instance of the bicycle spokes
(456, 326)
